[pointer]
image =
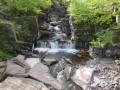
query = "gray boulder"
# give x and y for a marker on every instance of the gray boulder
(14, 69)
(15, 83)
(67, 72)
(49, 60)
(56, 68)
(32, 61)
(40, 72)
(20, 60)
(2, 64)
(82, 77)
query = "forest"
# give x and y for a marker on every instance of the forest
(62, 37)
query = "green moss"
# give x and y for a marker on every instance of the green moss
(5, 55)
(23, 32)
(7, 38)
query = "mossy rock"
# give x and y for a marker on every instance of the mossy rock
(117, 36)
(29, 28)
(7, 39)
(7, 34)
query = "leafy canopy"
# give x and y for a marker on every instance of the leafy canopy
(27, 7)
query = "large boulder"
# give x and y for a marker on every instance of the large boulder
(68, 72)
(82, 77)
(30, 23)
(20, 60)
(2, 64)
(113, 51)
(32, 61)
(40, 72)
(14, 69)
(14, 83)
(7, 37)
(49, 60)
(56, 68)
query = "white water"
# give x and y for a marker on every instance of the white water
(56, 46)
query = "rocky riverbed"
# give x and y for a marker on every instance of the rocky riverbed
(59, 73)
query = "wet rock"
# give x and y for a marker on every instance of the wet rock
(55, 23)
(2, 64)
(49, 60)
(56, 68)
(68, 60)
(41, 73)
(94, 86)
(14, 69)
(82, 77)
(67, 72)
(32, 61)
(14, 83)
(20, 60)
(96, 52)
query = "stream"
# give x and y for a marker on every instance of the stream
(59, 45)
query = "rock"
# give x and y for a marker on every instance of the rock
(95, 85)
(14, 69)
(2, 73)
(82, 77)
(41, 73)
(68, 60)
(117, 62)
(55, 23)
(15, 83)
(32, 61)
(56, 68)
(20, 60)
(49, 60)
(20, 57)
(96, 52)
(2, 64)
(32, 23)
(7, 36)
(67, 71)
(113, 51)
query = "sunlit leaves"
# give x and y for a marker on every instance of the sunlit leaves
(27, 7)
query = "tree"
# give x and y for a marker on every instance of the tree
(98, 15)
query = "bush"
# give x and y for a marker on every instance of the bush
(98, 16)
(103, 37)
(26, 7)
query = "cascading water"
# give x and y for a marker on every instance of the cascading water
(59, 42)
(55, 46)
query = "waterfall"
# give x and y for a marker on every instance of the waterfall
(55, 46)
(59, 40)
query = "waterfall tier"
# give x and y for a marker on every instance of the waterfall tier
(55, 46)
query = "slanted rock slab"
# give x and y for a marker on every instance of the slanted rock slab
(32, 61)
(67, 71)
(14, 69)
(82, 77)
(49, 60)
(41, 73)
(15, 83)
(2, 64)
(20, 60)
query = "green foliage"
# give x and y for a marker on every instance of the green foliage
(22, 31)
(6, 48)
(0, 1)
(5, 55)
(104, 37)
(98, 15)
(27, 7)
